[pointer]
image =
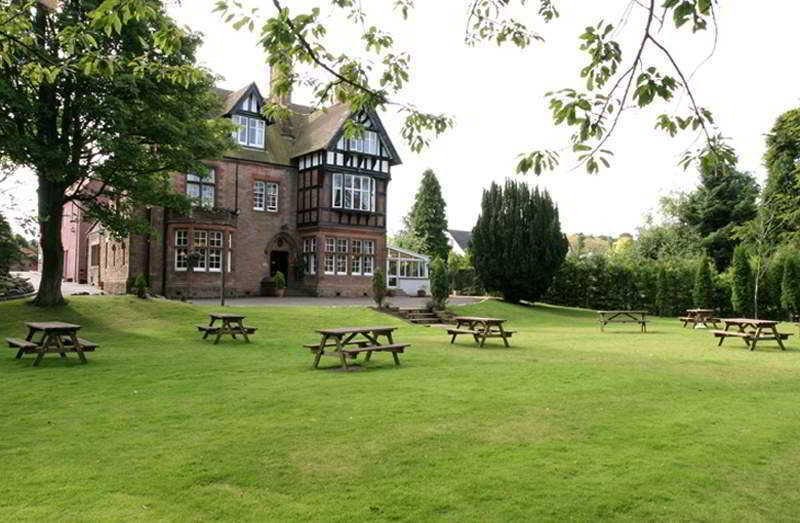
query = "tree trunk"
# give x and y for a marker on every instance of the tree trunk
(51, 213)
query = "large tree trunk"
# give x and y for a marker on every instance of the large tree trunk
(51, 213)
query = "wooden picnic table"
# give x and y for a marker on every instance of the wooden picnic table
(751, 331)
(607, 317)
(56, 337)
(699, 317)
(231, 324)
(348, 342)
(480, 329)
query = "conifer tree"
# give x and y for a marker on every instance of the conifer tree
(662, 291)
(742, 288)
(440, 283)
(426, 223)
(517, 243)
(790, 285)
(703, 292)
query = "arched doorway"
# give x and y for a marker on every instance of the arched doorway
(280, 252)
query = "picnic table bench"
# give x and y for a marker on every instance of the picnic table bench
(698, 317)
(751, 331)
(57, 337)
(230, 324)
(607, 317)
(480, 329)
(342, 343)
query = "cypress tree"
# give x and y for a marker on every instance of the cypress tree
(517, 243)
(703, 292)
(662, 291)
(742, 288)
(427, 221)
(440, 283)
(790, 286)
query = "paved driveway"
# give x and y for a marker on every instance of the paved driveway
(296, 301)
(67, 288)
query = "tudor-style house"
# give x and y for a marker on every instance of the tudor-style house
(295, 197)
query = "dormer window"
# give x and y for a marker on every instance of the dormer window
(367, 143)
(250, 104)
(250, 131)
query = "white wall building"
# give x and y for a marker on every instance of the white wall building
(407, 271)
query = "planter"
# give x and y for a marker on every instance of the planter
(280, 293)
(421, 293)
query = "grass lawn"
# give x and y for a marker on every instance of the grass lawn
(569, 423)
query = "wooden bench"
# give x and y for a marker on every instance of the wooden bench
(22, 345)
(395, 349)
(478, 332)
(208, 329)
(750, 337)
(316, 346)
(29, 347)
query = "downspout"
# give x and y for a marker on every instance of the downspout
(146, 247)
(164, 258)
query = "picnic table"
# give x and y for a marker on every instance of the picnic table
(699, 317)
(56, 337)
(607, 317)
(751, 331)
(348, 342)
(231, 324)
(480, 329)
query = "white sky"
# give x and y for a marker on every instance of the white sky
(497, 98)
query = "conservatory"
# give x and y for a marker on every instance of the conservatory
(407, 271)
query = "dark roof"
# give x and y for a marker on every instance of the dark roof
(312, 130)
(462, 238)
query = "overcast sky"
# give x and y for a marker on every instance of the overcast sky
(497, 97)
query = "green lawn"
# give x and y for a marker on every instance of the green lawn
(569, 423)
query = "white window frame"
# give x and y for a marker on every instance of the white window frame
(341, 264)
(271, 196)
(250, 131)
(347, 188)
(259, 195)
(330, 264)
(371, 270)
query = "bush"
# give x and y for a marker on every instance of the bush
(280, 280)
(140, 284)
(379, 287)
(440, 284)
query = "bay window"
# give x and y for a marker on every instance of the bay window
(208, 247)
(310, 255)
(353, 192)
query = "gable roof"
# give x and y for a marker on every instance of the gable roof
(462, 238)
(313, 130)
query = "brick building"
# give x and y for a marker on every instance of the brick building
(295, 197)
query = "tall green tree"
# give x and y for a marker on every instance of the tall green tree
(790, 286)
(742, 287)
(517, 243)
(637, 71)
(440, 283)
(725, 200)
(703, 292)
(102, 100)
(9, 247)
(426, 223)
(782, 160)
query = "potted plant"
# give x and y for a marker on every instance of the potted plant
(421, 293)
(140, 284)
(280, 284)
